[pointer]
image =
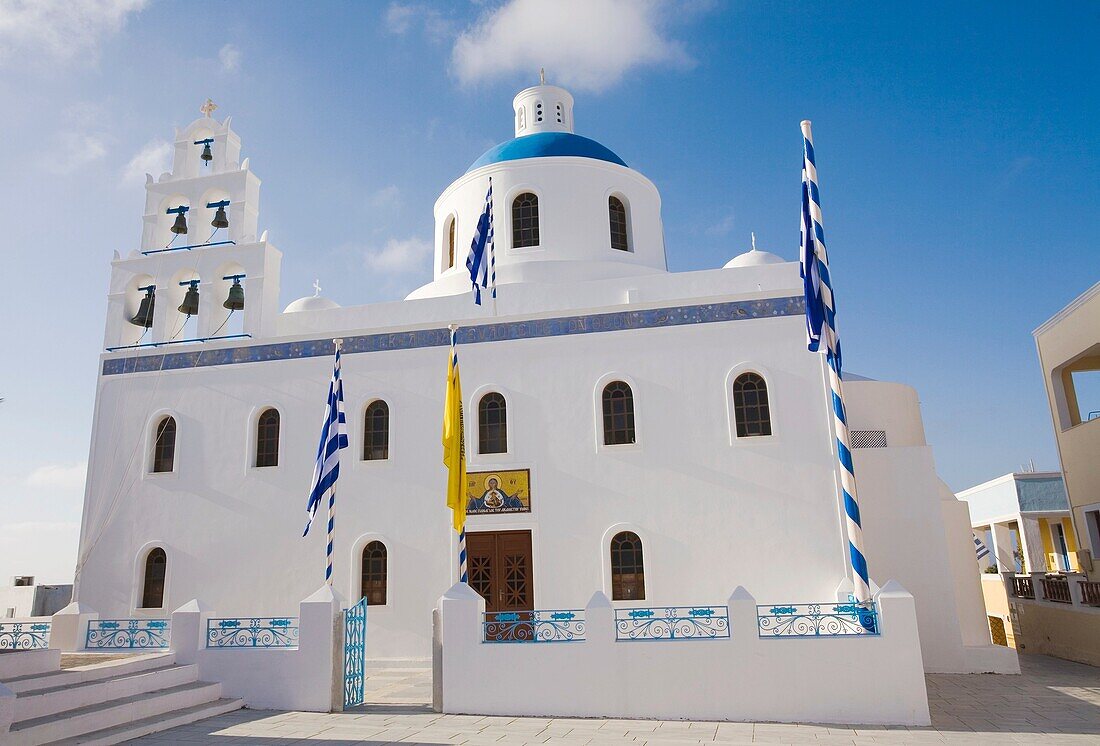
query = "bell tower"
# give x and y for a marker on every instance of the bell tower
(200, 273)
(543, 108)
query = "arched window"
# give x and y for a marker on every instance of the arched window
(376, 432)
(618, 414)
(750, 406)
(374, 573)
(492, 424)
(627, 572)
(616, 212)
(267, 438)
(152, 590)
(451, 241)
(525, 221)
(164, 447)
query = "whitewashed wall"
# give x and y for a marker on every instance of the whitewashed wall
(864, 679)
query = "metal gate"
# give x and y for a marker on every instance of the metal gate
(355, 653)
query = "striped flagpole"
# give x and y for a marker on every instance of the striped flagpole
(332, 492)
(334, 437)
(814, 236)
(492, 246)
(462, 555)
(454, 364)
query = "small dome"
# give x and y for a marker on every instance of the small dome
(754, 258)
(311, 303)
(546, 145)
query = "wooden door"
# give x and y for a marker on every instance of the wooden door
(500, 569)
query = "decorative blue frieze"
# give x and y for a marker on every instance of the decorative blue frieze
(127, 634)
(817, 620)
(500, 332)
(672, 623)
(24, 635)
(252, 632)
(560, 625)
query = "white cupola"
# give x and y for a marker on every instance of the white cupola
(543, 108)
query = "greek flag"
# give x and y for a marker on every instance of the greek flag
(334, 436)
(482, 261)
(980, 548)
(821, 325)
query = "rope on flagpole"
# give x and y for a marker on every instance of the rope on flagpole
(860, 577)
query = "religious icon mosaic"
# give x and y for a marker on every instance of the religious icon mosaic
(492, 492)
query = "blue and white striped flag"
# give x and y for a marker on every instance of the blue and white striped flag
(980, 548)
(821, 324)
(482, 261)
(334, 437)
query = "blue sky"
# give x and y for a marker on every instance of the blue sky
(957, 146)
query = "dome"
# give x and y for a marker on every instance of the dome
(546, 145)
(311, 303)
(755, 258)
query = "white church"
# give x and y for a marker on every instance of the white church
(652, 439)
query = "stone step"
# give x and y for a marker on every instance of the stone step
(111, 714)
(22, 663)
(41, 702)
(91, 672)
(155, 724)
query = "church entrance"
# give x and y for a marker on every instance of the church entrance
(500, 569)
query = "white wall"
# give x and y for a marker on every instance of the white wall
(864, 679)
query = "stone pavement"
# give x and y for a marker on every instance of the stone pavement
(1052, 702)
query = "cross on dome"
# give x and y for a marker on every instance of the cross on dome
(208, 108)
(317, 288)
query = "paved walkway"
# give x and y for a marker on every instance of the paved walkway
(1053, 702)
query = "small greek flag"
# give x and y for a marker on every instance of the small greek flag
(980, 548)
(334, 436)
(482, 261)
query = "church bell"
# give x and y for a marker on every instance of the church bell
(144, 316)
(180, 226)
(190, 305)
(220, 219)
(206, 154)
(235, 301)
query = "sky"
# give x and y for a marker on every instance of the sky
(956, 144)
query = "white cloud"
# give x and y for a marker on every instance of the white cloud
(153, 159)
(60, 29)
(59, 477)
(230, 57)
(75, 150)
(386, 198)
(722, 227)
(585, 44)
(401, 17)
(399, 257)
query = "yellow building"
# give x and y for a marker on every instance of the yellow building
(1069, 354)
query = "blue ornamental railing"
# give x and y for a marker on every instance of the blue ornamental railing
(252, 632)
(817, 620)
(24, 635)
(543, 625)
(672, 623)
(127, 634)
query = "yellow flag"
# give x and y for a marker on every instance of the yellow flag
(454, 443)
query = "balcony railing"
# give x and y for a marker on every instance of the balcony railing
(1023, 587)
(1056, 589)
(1090, 592)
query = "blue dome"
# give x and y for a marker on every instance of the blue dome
(545, 145)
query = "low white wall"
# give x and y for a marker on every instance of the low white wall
(269, 678)
(859, 679)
